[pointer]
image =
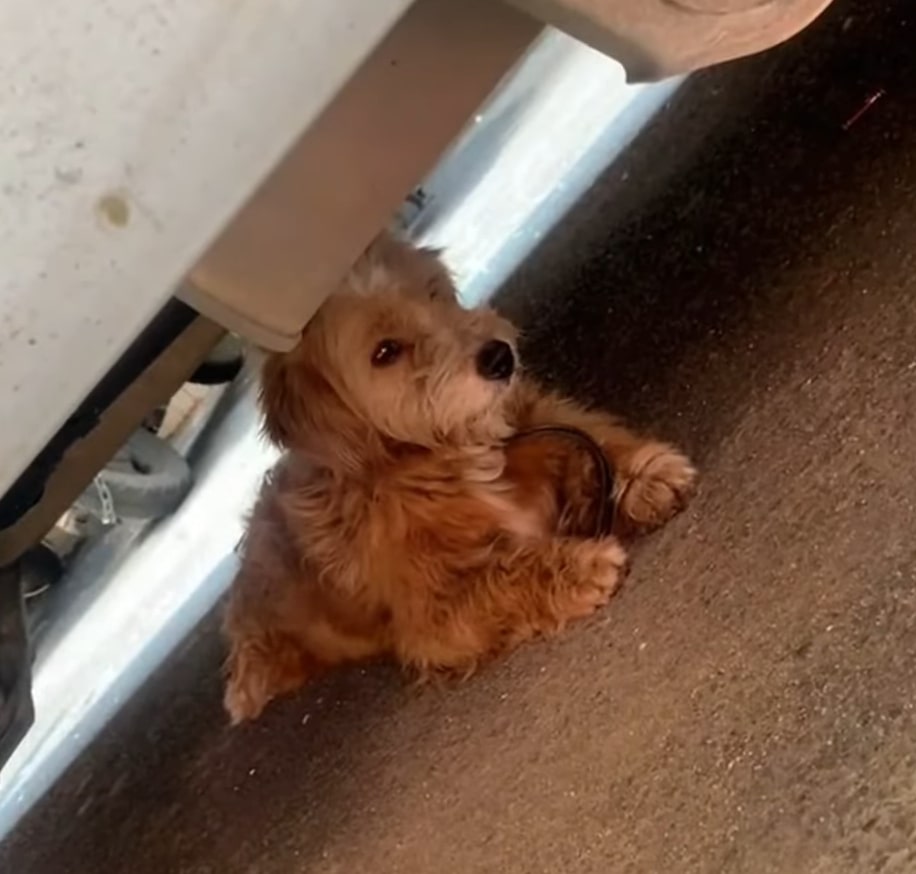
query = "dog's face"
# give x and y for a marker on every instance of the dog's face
(393, 355)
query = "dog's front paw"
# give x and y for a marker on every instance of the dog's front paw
(242, 702)
(656, 485)
(601, 567)
(259, 671)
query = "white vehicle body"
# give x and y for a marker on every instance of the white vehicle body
(133, 132)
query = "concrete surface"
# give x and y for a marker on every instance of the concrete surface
(743, 282)
(134, 593)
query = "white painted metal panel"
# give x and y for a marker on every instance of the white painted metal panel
(130, 131)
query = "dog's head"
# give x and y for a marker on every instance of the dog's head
(392, 358)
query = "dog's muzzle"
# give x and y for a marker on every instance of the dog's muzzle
(496, 360)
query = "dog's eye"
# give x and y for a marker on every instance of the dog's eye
(387, 352)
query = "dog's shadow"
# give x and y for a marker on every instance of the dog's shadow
(170, 786)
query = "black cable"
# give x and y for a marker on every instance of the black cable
(602, 466)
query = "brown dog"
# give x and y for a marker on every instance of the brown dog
(400, 521)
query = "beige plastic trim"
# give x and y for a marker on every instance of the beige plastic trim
(654, 39)
(285, 251)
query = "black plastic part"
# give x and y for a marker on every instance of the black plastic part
(223, 364)
(217, 372)
(39, 568)
(171, 320)
(17, 712)
(606, 512)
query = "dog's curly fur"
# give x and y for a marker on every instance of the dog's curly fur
(399, 522)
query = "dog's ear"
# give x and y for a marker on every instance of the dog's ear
(299, 405)
(304, 412)
(282, 397)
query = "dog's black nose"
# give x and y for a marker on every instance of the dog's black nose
(495, 360)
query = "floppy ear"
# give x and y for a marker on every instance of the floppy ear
(283, 397)
(304, 412)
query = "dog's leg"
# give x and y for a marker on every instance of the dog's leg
(261, 668)
(525, 591)
(652, 479)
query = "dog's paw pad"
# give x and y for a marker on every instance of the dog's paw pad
(603, 564)
(242, 703)
(659, 487)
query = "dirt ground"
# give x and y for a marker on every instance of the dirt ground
(743, 284)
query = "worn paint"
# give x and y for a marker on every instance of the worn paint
(114, 210)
